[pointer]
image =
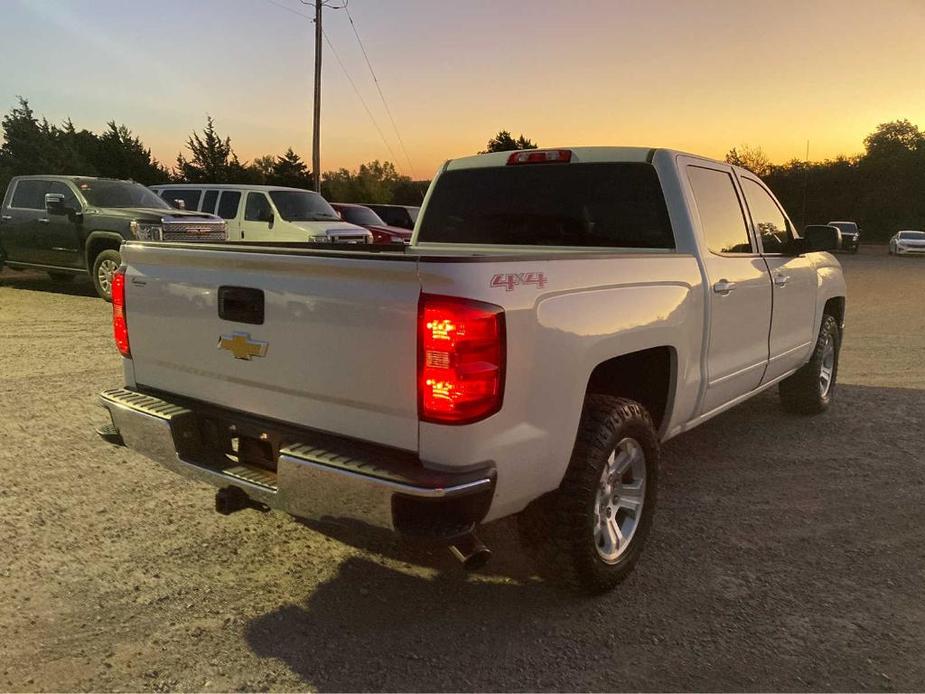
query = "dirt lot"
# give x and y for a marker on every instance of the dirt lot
(787, 553)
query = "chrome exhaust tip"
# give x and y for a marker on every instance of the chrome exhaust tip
(471, 552)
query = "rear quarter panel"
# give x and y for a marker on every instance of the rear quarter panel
(590, 310)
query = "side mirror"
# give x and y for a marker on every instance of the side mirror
(179, 204)
(54, 204)
(821, 237)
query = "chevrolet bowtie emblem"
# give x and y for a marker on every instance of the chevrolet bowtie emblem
(242, 346)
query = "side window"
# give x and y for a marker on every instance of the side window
(189, 196)
(228, 205)
(70, 200)
(258, 208)
(721, 216)
(770, 223)
(30, 194)
(208, 201)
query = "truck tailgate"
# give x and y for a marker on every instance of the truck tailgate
(338, 337)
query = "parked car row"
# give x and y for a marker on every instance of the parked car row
(75, 225)
(272, 213)
(266, 213)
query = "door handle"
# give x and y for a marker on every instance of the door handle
(724, 287)
(43, 220)
(6, 217)
(781, 280)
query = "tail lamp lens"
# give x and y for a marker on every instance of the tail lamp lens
(119, 326)
(461, 347)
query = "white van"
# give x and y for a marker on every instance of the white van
(265, 213)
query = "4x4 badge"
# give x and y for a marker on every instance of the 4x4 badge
(242, 346)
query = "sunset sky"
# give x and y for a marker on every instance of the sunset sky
(702, 76)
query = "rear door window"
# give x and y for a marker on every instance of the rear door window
(189, 196)
(208, 201)
(30, 194)
(228, 204)
(618, 205)
(722, 220)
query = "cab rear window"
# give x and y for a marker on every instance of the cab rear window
(601, 205)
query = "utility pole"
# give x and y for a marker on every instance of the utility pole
(805, 183)
(316, 130)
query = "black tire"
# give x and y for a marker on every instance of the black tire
(804, 391)
(61, 276)
(104, 259)
(560, 528)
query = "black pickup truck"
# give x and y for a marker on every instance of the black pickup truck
(73, 225)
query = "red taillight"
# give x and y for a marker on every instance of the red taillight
(540, 156)
(119, 326)
(461, 349)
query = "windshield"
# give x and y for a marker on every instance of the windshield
(612, 205)
(302, 206)
(845, 227)
(101, 193)
(917, 235)
(361, 215)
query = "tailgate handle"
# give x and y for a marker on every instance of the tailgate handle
(241, 305)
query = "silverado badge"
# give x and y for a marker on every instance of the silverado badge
(242, 346)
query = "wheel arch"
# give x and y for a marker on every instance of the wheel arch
(99, 241)
(835, 307)
(648, 376)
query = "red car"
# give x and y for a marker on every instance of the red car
(365, 217)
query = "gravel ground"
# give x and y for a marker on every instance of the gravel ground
(787, 553)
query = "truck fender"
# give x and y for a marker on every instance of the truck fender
(99, 241)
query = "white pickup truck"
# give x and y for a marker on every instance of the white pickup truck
(558, 315)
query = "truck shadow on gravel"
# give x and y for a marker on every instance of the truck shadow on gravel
(40, 282)
(757, 575)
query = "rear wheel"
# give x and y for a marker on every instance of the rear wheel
(811, 389)
(61, 276)
(589, 533)
(104, 267)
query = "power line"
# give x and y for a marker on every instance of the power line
(379, 88)
(342, 67)
(360, 97)
(289, 9)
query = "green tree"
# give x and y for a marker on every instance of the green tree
(751, 158)
(120, 154)
(289, 170)
(374, 181)
(505, 142)
(895, 137)
(33, 146)
(408, 192)
(27, 145)
(213, 159)
(262, 168)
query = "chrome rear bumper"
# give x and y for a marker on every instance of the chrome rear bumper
(317, 476)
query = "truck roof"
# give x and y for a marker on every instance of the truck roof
(72, 177)
(582, 154)
(224, 186)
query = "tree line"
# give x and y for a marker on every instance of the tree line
(881, 189)
(33, 145)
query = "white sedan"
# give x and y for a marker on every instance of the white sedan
(904, 242)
